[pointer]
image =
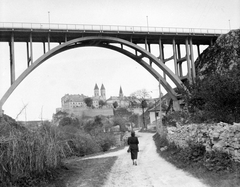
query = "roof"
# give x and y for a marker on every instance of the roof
(96, 87)
(102, 87)
(75, 98)
(121, 92)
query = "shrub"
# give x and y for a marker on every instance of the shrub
(217, 95)
(106, 141)
(217, 161)
(121, 122)
(28, 154)
(195, 155)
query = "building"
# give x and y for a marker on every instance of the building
(121, 100)
(97, 97)
(73, 101)
(75, 104)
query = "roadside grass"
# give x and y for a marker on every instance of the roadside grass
(227, 176)
(88, 173)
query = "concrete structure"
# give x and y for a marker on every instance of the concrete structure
(123, 39)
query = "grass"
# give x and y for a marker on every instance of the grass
(31, 158)
(214, 177)
(88, 173)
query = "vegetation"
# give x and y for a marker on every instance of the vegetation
(215, 97)
(26, 154)
(212, 98)
(28, 157)
(115, 104)
(215, 168)
(102, 103)
(88, 101)
(142, 95)
(92, 172)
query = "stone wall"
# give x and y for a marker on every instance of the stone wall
(222, 136)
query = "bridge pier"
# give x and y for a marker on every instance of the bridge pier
(12, 59)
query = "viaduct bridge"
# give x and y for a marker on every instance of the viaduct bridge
(124, 39)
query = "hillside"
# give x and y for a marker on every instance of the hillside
(223, 55)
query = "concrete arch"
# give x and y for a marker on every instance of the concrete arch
(101, 41)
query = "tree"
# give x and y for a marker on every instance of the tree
(88, 101)
(216, 96)
(115, 104)
(101, 103)
(142, 95)
(144, 105)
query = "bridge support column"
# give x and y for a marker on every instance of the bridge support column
(175, 57)
(179, 63)
(188, 60)
(48, 41)
(44, 48)
(12, 59)
(149, 50)
(161, 54)
(28, 58)
(198, 50)
(192, 60)
(146, 47)
(31, 48)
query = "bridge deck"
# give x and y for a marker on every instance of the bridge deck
(60, 32)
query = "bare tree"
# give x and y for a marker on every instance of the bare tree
(23, 108)
(142, 95)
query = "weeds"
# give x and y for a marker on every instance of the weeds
(29, 157)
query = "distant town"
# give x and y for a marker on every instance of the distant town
(77, 103)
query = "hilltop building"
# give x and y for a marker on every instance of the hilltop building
(75, 103)
(121, 99)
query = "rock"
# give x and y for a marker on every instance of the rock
(221, 56)
(163, 148)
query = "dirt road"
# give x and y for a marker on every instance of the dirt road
(151, 171)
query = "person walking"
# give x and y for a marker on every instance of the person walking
(133, 147)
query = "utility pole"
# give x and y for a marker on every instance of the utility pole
(147, 24)
(49, 19)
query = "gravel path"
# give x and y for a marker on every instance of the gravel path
(151, 171)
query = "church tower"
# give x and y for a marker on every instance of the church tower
(103, 92)
(120, 92)
(96, 91)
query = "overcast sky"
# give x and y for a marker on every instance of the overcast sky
(78, 70)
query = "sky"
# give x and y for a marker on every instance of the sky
(77, 71)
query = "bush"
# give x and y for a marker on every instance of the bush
(216, 95)
(172, 118)
(195, 155)
(29, 154)
(217, 161)
(121, 122)
(106, 141)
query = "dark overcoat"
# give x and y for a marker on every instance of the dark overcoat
(133, 145)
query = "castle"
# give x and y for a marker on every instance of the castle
(75, 103)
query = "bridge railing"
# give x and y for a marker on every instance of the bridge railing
(102, 28)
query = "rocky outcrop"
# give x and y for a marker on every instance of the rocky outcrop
(220, 57)
(221, 136)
